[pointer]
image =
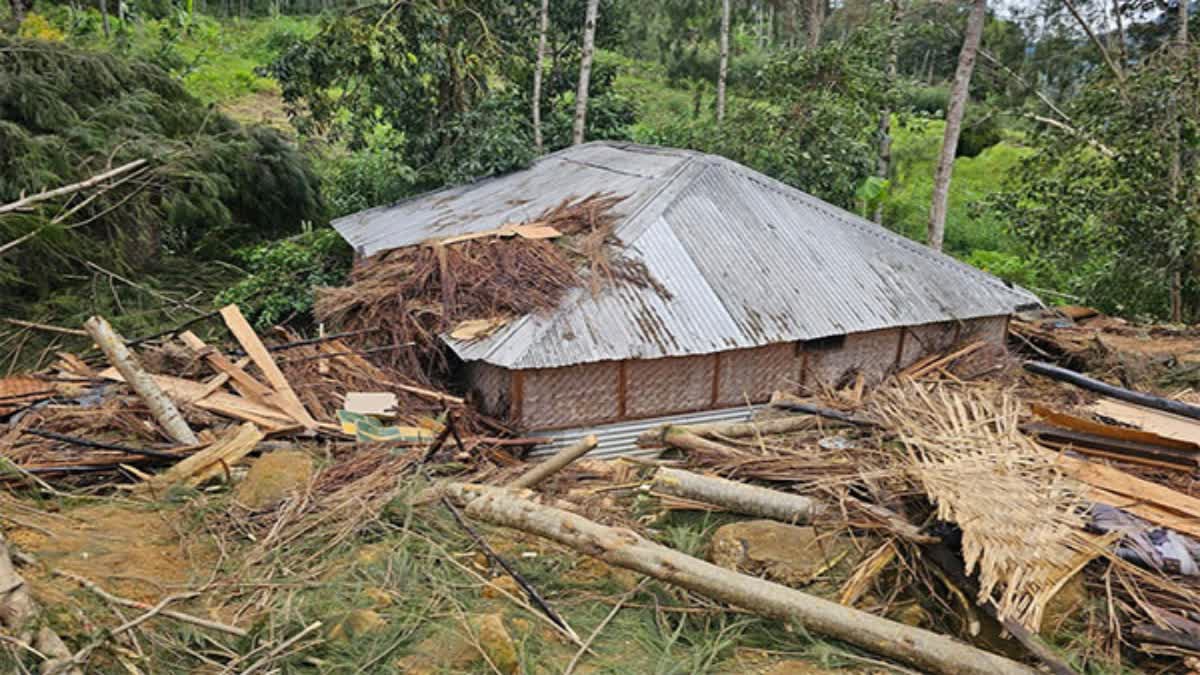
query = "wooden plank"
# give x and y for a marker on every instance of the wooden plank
(245, 384)
(1110, 431)
(198, 394)
(211, 461)
(258, 353)
(1116, 481)
(1155, 421)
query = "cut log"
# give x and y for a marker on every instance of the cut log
(1127, 395)
(211, 461)
(741, 498)
(682, 439)
(258, 353)
(781, 425)
(142, 382)
(623, 548)
(555, 464)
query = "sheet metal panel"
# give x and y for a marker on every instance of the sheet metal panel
(620, 439)
(745, 261)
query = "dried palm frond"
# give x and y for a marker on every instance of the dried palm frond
(1022, 519)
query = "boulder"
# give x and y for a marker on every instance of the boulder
(788, 554)
(274, 477)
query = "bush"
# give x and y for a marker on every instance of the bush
(283, 275)
(925, 99)
(371, 176)
(980, 131)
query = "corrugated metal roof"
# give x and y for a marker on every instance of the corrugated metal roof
(620, 439)
(745, 260)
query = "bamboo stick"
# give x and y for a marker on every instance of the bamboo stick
(620, 547)
(131, 371)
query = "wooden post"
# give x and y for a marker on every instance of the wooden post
(556, 463)
(132, 372)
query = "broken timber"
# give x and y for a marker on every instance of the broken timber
(623, 548)
(1119, 393)
(555, 464)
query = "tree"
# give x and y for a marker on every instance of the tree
(585, 70)
(954, 116)
(885, 115)
(543, 29)
(723, 71)
(816, 21)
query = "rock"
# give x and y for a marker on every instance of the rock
(788, 554)
(356, 624)
(273, 478)
(496, 588)
(497, 643)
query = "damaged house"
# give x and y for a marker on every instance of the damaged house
(753, 286)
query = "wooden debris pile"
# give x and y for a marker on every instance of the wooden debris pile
(417, 293)
(109, 416)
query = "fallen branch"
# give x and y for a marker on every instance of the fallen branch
(737, 497)
(99, 445)
(26, 202)
(126, 363)
(274, 653)
(623, 548)
(551, 466)
(126, 602)
(46, 327)
(808, 408)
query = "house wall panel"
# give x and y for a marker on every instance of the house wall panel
(562, 397)
(754, 374)
(663, 386)
(872, 353)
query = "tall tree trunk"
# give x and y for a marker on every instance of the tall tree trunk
(791, 22)
(1176, 169)
(816, 20)
(885, 116)
(585, 70)
(954, 117)
(104, 16)
(723, 71)
(538, 66)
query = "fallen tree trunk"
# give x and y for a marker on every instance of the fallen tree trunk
(623, 548)
(1128, 395)
(738, 497)
(555, 464)
(126, 363)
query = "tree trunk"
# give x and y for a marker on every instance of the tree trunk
(585, 71)
(723, 71)
(954, 117)
(923, 649)
(151, 394)
(104, 16)
(749, 500)
(1178, 190)
(19, 9)
(816, 20)
(885, 115)
(538, 67)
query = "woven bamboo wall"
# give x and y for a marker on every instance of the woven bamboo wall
(929, 338)
(662, 386)
(555, 398)
(755, 374)
(491, 388)
(872, 353)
